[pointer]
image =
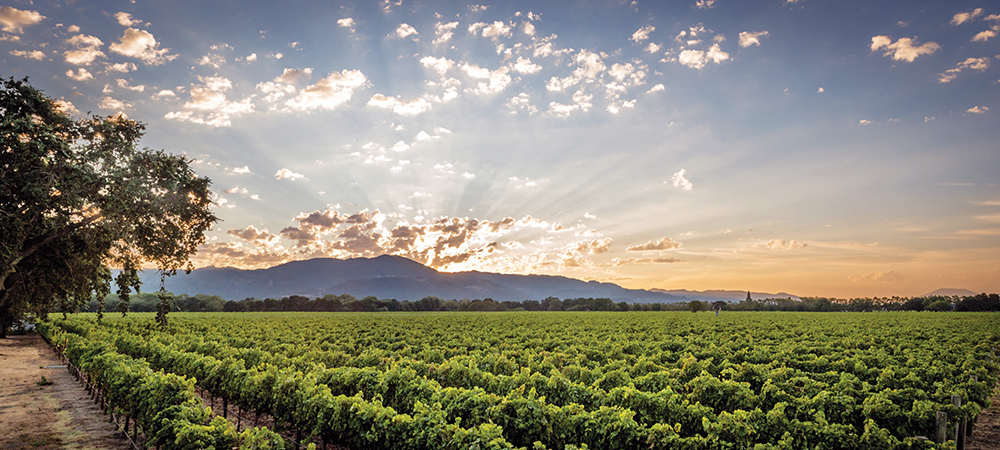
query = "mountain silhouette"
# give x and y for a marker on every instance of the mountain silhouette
(388, 277)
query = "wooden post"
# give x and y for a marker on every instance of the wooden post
(972, 423)
(225, 408)
(959, 425)
(942, 427)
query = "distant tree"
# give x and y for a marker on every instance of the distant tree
(939, 305)
(77, 198)
(695, 306)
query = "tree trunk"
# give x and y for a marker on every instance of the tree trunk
(6, 318)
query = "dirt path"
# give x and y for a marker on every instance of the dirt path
(56, 416)
(986, 432)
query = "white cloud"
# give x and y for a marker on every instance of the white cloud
(903, 49)
(820, 90)
(285, 174)
(444, 32)
(110, 103)
(251, 57)
(125, 85)
(14, 20)
(468, 175)
(441, 65)
(34, 54)
(705, 4)
(346, 22)
(664, 243)
(525, 66)
(642, 33)
(141, 44)
(240, 170)
(330, 92)
(124, 67)
(781, 244)
(165, 93)
(521, 102)
(697, 59)
(653, 47)
(748, 38)
(403, 108)
(864, 122)
(493, 81)
(969, 63)
(656, 88)
(987, 34)
(963, 17)
(977, 110)
(404, 30)
(400, 146)
(680, 181)
(88, 48)
(529, 28)
(293, 76)
(80, 75)
(890, 276)
(126, 19)
(209, 106)
(494, 30)
(65, 107)
(423, 136)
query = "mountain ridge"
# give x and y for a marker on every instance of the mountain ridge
(388, 276)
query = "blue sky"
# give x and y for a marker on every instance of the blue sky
(821, 148)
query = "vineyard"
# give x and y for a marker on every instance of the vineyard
(666, 380)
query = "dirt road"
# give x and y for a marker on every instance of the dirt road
(56, 416)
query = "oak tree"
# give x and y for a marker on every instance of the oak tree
(78, 198)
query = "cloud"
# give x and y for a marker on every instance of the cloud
(680, 181)
(697, 59)
(14, 20)
(820, 90)
(126, 20)
(986, 34)
(748, 38)
(65, 107)
(330, 92)
(285, 174)
(141, 44)
(124, 67)
(401, 107)
(209, 106)
(88, 48)
(240, 170)
(440, 65)
(904, 49)
(617, 262)
(656, 88)
(890, 276)
(964, 17)
(492, 82)
(864, 122)
(346, 22)
(979, 64)
(251, 233)
(521, 102)
(444, 32)
(977, 110)
(80, 75)
(642, 33)
(34, 54)
(524, 66)
(124, 84)
(494, 30)
(781, 244)
(404, 30)
(110, 103)
(664, 243)
(705, 4)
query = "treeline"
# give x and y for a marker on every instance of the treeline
(346, 303)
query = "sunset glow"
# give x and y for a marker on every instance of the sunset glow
(817, 148)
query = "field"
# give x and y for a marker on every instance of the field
(667, 380)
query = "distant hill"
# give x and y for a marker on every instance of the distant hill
(732, 296)
(948, 292)
(388, 277)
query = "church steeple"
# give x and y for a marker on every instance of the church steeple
(748, 297)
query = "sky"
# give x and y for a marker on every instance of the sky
(819, 148)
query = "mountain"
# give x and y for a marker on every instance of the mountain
(948, 292)
(730, 296)
(387, 277)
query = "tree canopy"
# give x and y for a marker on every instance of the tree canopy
(78, 198)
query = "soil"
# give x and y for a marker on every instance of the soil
(56, 416)
(986, 431)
